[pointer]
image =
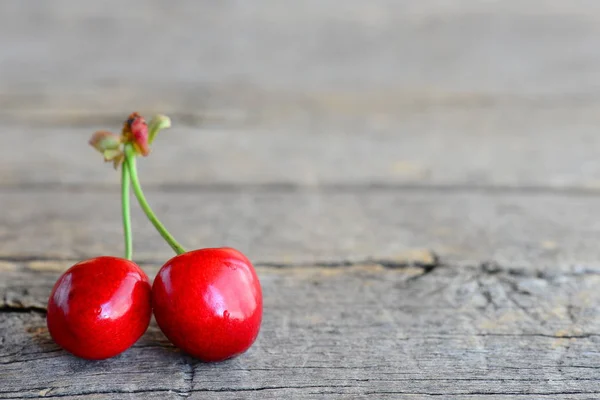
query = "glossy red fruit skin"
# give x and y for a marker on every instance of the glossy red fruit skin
(208, 302)
(100, 307)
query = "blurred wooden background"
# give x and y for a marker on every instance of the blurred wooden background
(417, 182)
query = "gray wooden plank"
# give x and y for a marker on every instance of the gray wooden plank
(149, 369)
(463, 46)
(356, 331)
(535, 231)
(469, 148)
(461, 93)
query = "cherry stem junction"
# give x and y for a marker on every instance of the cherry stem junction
(130, 165)
(126, 211)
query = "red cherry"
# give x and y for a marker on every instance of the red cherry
(208, 303)
(99, 307)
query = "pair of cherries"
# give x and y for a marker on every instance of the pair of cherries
(207, 302)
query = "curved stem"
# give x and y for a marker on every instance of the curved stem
(126, 211)
(139, 194)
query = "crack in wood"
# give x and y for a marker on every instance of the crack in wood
(16, 309)
(487, 295)
(179, 392)
(474, 393)
(189, 372)
(578, 336)
(47, 395)
(294, 187)
(571, 313)
(412, 379)
(388, 263)
(494, 268)
(434, 262)
(427, 266)
(264, 388)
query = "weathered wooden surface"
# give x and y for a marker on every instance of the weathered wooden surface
(357, 330)
(503, 147)
(465, 93)
(418, 183)
(535, 231)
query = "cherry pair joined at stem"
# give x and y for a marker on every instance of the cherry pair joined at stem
(208, 302)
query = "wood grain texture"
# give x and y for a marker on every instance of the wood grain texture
(508, 47)
(416, 181)
(535, 231)
(361, 330)
(466, 93)
(503, 148)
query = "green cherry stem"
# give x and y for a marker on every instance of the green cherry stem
(130, 162)
(126, 211)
